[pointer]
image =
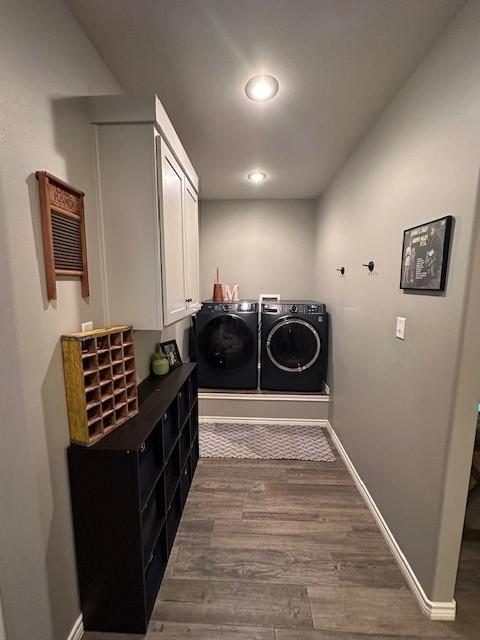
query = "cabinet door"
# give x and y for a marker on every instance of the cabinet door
(172, 234)
(192, 284)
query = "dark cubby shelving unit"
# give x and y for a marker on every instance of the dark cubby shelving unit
(128, 492)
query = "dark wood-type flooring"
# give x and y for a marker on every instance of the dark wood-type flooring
(287, 550)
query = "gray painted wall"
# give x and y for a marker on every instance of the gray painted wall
(45, 59)
(265, 246)
(43, 64)
(395, 403)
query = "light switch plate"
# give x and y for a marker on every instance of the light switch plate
(87, 326)
(400, 332)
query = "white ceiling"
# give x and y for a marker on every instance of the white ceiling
(338, 63)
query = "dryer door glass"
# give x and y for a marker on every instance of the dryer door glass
(227, 342)
(293, 345)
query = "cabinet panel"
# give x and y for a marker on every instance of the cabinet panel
(172, 231)
(126, 168)
(192, 267)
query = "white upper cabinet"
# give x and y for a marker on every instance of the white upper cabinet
(192, 267)
(148, 195)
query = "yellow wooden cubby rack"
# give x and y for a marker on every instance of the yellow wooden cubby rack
(100, 381)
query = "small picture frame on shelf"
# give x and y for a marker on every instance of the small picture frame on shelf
(170, 349)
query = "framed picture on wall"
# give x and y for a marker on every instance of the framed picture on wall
(425, 255)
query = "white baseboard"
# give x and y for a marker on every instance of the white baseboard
(250, 420)
(434, 610)
(262, 397)
(77, 630)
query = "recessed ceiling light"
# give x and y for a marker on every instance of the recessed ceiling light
(261, 88)
(257, 176)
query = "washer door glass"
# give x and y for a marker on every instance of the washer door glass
(293, 345)
(227, 342)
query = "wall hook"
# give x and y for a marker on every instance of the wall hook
(342, 270)
(370, 266)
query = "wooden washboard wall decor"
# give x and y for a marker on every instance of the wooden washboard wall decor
(63, 227)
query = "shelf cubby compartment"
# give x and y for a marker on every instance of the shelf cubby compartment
(121, 413)
(115, 339)
(120, 397)
(128, 351)
(105, 374)
(183, 403)
(104, 360)
(185, 482)
(192, 390)
(131, 379)
(150, 461)
(184, 444)
(170, 428)
(106, 390)
(153, 514)
(107, 405)
(127, 336)
(108, 420)
(194, 455)
(95, 428)
(132, 406)
(130, 364)
(91, 380)
(131, 392)
(156, 565)
(87, 346)
(173, 517)
(116, 354)
(92, 397)
(103, 344)
(194, 422)
(172, 472)
(118, 371)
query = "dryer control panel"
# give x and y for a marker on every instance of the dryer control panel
(304, 308)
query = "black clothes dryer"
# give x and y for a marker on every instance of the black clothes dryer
(294, 346)
(227, 345)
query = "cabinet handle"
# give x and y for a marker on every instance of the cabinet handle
(189, 300)
(142, 447)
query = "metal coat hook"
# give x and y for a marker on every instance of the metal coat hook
(342, 270)
(370, 266)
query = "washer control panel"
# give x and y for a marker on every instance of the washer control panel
(230, 307)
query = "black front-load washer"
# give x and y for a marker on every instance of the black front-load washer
(294, 351)
(227, 345)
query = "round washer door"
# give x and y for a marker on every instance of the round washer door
(227, 342)
(293, 345)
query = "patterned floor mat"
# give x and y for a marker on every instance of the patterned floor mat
(264, 442)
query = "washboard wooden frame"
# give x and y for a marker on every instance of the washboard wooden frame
(63, 230)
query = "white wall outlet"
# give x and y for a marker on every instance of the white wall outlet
(87, 326)
(400, 332)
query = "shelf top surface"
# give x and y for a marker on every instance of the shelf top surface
(155, 395)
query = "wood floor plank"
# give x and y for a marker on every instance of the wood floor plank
(281, 534)
(188, 631)
(233, 603)
(299, 566)
(372, 611)
(315, 634)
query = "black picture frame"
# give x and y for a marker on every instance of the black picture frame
(425, 255)
(170, 349)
